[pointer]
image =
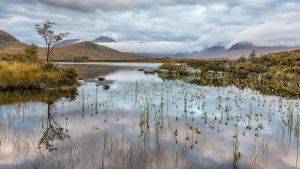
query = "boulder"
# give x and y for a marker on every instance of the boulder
(106, 87)
(101, 78)
(150, 71)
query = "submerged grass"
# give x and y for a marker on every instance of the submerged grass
(33, 75)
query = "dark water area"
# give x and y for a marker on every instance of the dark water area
(145, 122)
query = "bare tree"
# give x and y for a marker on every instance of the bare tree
(252, 55)
(45, 30)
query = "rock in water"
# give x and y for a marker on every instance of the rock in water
(106, 87)
(101, 78)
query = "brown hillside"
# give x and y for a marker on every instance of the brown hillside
(6, 37)
(92, 51)
(10, 45)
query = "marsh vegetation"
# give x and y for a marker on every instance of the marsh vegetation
(143, 121)
(16, 75)
(25, 71)
(271, 74)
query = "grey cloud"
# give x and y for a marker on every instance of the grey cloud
(278, 29)
(117, 5)
(178, 24)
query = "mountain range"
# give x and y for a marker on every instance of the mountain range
(68, 42)
(221, 52)
(68, 50)
(240, 49)
(96, 51)
(237, 50)
(101, 39)
(104, 39)
(214, 52)
(162, 55)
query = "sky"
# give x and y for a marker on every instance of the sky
(159, 26)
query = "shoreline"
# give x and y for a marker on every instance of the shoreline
(272, 74)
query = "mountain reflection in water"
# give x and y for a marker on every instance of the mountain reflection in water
(143, 121)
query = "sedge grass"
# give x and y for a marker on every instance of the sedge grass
(27, 75)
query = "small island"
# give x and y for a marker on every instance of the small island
(23, 70)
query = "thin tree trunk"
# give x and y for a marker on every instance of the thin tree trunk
(48, 53)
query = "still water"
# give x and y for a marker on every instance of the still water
(145, 122)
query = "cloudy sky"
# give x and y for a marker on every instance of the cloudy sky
(159, 26)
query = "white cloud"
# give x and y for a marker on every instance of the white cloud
(258, 2)
(277, 29)
(163, 47)
(164, 25)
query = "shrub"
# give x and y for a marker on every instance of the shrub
(81, 59)
(31, 52)
(69, 76)
(49, 67)
(208, 65)
(241, 59)
(170, 64)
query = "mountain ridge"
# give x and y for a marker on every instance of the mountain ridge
(88, 49)
(237, 50)
(104, 39)
(11, 45)
(6, 37)
(68, 42)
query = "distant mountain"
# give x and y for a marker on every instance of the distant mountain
(241, 45)
(72, 48)
(220, 52)
(103, 39)
(237, 50)
(209, 52)
(68, 42)
(9, 44)
(6, 37)
(94, 51)
(68, 50)
(161, 55)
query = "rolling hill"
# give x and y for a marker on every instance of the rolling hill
(9, 44)
(68, 50)
(93, 51)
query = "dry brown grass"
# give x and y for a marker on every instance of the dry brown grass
(25, 75)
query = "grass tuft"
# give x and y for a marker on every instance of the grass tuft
(26, 75)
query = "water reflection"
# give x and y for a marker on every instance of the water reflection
(19, 97)
(145, 122)
(53, 131)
